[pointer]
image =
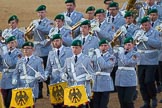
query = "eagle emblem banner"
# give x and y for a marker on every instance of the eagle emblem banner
(75, 96)
(0, 75)
(1, 101)
(57, 92)
(22, 98)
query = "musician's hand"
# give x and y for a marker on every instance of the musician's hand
(97, 29)
(35, 23)
(88, 77)
(98, 73)
(36, 42)
(145, 38)
(120, 50)
(64, 77)
(98, 53)
(37, 75)
(123, 29)
(14, 81)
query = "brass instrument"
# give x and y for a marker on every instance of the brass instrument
(138, 35)
(28, 33)
(115, 40)
(138, 9)
(94, 25)
(159, 27)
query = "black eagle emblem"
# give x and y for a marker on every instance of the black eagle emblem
(21, 98)
(75, 95)
(58, 92)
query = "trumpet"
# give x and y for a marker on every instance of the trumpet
(137, 37)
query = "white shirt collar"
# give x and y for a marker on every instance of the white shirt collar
(12, 50)
(60, 28)
(85, 37)
(28, 57)
(59, 48)
(77, 55)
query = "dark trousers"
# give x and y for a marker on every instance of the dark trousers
(100, 99)
(160, 71)
(58, 106)
(146, 77)
(7, 94)
(113, 73)
(125, 95)
(47, 82)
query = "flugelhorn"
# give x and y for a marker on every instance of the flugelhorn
(119, 32)
(28, 32)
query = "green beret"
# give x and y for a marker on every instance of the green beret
(76, 43)
(28, 44)
(98, 11)
(69, 1)
(145, 19)
(86, 22)
(113, 4)
(60, 16)
(13, 17)
(90, 8)
(128, 40)
(152, 11)
(128, 14)
(9, 39)
(103, 41)
(56, 36)
(41, 8)
(107, 0)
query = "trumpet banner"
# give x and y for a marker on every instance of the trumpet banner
(75, 96)
(22, 98)
(57, 92)
(1, 101)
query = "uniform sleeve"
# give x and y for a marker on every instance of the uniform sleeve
(105, 64)
(20, 39)
(40, 67)
(154, 41)
(45, 28)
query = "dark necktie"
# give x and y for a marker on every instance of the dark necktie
(58, 31)
(108, 13)
(58, 53)
(9, 53)
(27, 60)
(112, 19)
(99, 25)
(39, 22)
(75, 59)
(101, 54)
(126, 26)
(152, 24)
(125, 52)
(83, 41)
(68, 14)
